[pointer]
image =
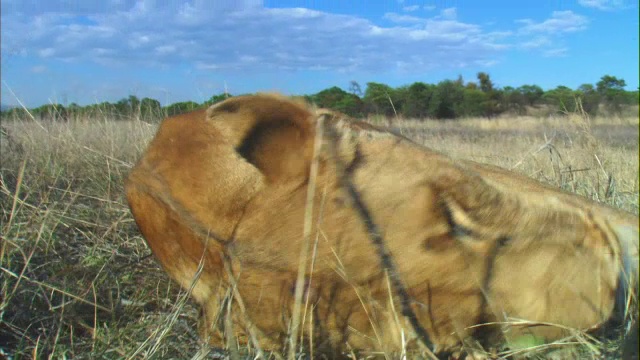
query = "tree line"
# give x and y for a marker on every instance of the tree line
(448, 99)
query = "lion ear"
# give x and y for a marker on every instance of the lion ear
(272, 133)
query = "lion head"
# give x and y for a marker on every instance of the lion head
(282, 220)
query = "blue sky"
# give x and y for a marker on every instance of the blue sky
(92, 51)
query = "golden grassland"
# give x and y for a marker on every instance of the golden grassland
(78, 281)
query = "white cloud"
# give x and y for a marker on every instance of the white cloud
(449, 13)
(240, 35)
(165, 49)
(603, 4)
(535, 43)
(559, 22)
(547, 37)
(411, 8)
(557, 52)
(39, 69)
(46, 52)
(399, 18)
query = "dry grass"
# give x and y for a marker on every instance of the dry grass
(78, 281)
(599, 161)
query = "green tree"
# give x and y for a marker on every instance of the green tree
(608, 82)
(104, 109)
(354, 88)
(532, 94)
(52, 112)
(380, 99)
(589, 98)
(447, 97)
(474, 103)
(74, 106)
(181, 108)
(351, 105)
(494, 103)
(127, 107)
(417, 100)
(494, 96)
(486, 85)
(217, 98)
(562, 97)
(611, 90)
(329, 98)
(633, 98)
(150, 109)
(514, 100)
(74, 110)
(337, 99)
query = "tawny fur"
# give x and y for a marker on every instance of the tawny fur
(473, 243)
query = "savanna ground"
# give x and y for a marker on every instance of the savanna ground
(78, 281)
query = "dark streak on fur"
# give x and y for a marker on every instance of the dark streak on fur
(251, 141)
(490, 263)
(221, 317)
(228, 107)
(357, 162)
(430, 309)
(379, 244)
(457, 231)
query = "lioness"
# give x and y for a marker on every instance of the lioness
(229, 198)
